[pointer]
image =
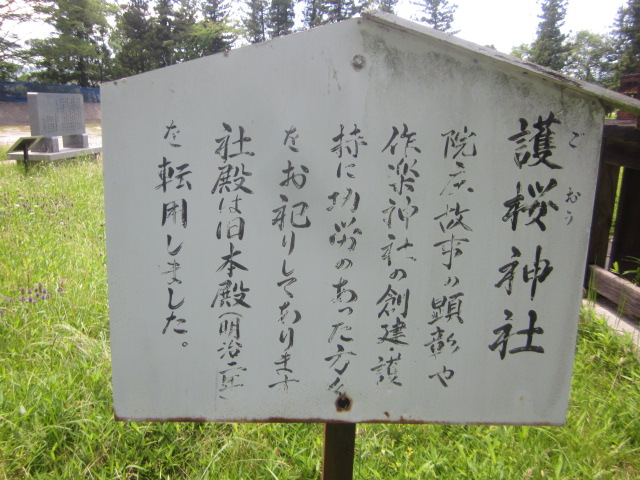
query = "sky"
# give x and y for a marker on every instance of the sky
(508, 23)
(502, 23)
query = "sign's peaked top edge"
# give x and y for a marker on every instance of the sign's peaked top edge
(410, 27)
(391, 21)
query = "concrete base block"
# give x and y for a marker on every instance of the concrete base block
(64, 153)
(76, 141)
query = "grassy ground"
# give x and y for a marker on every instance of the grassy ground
(55, 400)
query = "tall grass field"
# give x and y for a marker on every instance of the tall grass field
(56, 420)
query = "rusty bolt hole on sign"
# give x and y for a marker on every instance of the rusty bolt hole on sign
(358, 63)
(343, 403)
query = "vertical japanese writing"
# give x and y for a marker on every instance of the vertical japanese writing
(174, 185)
(343, 205)
(289, 217)
(230, 302)
(532, 207)
(455, 230)
(392, 304)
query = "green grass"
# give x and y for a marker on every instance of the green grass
(55, 399)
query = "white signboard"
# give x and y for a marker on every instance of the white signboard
(353, 223)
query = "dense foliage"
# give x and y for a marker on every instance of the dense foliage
(600, 59)
(99, 40)
(626, 38)
(550, 48)
(77, 53)
(437, 14)
(12, 55)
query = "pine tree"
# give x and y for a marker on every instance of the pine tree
(387, 6)
(255, 20)
(339, 10)
(215, 10)
(438, 14)
(314, 11)
(550, 48)
(322, 12)
(215, 30)
(190, 38)
(281, 17)
(76, 53)
(133, 39)
(626, 36)
(162, 33)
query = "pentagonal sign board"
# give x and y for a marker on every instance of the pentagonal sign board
(356, 223)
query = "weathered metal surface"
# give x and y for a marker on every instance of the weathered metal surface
(351, 224)
(607, 96)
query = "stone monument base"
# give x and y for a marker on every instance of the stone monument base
(51, 156)
(44, 149)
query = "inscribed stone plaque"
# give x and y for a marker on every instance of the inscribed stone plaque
(354, 223)
(56, 114)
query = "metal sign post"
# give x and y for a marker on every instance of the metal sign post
(339, 446)
(24, 144)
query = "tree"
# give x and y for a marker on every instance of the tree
(78, 53)
(162, 33)
(626, 36)
(387, 6)
(590, 58)
(255, 20)
(185, 44)
(202, 28)
(281, 17)
(339, 10)
(215, 10)
(438, 14)
(522, 51)
(216, 23)
(550, 48)
(180, 30)
(12, 54)
(133, 39)
(322, 12)
(314, 11)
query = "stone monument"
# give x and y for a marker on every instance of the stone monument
(55, 119)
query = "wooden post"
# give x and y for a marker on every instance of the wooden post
(339, 446)
(602, 216)
(621, 147)
(626, 239)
